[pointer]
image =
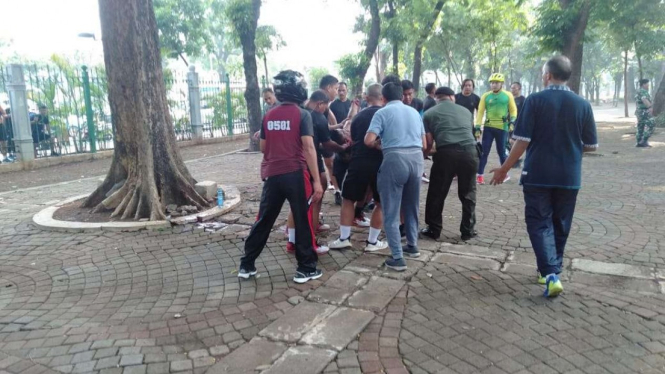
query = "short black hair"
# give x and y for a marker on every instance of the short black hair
(560, 68)
(644, 81)
(518, 84)
(392, 91)
(444, 91)
(267, 90)
(42, 106)
(391, 78)
(407, 85)
(430, 87)
(319, 96)
(343, 84)
(327, 80)
(473, 84)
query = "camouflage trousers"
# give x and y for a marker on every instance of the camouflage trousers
(645, 125)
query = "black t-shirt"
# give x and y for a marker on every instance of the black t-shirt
(418, 105)
(38, 122)
(469, 102)
(359, 126)
(519, 103)
(340, 109)
(321, 131)
(429, 102)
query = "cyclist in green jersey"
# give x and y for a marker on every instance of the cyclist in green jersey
(496, 116)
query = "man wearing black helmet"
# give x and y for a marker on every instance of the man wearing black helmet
(290, 171)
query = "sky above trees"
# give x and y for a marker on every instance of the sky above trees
(317, 39)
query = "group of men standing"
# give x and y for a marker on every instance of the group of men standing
(387, 138)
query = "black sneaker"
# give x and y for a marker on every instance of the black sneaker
(470, 236)
(397, 265)
(246, 274)
(402, 231)
(410, 251)
(303, 277)
(429, 233)
(338, 198)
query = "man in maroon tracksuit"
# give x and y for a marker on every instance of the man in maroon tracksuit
(290, 172)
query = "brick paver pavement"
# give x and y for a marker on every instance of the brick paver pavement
(160, 301)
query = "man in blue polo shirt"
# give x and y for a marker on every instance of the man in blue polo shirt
(398, 131)
(555, 127)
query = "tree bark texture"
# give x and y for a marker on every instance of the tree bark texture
(659, 99)
(370, 46)
(625, 83)
(573, 46)
(418, 51)
(146, 157)
(395, 43)
(247, 35)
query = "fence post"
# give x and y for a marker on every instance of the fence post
(194, 103)
(89, 114)
(229, 107)
(18, 102)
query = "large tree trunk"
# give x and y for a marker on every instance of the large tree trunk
(418, 51)
(625, 83)
(618, 78)
(639, 65)
(244, 16)
(265, 67)
(394, 42)
(370, 46)
(659, 99)
(146, 157)
(417, 67)
(573, 46)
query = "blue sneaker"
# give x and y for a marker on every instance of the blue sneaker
(410, 251)
(397, 265)
(553, 286)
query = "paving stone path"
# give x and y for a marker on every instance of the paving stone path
(170, 301)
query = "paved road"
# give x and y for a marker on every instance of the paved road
(159, 301)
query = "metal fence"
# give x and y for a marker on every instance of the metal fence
(69, 110)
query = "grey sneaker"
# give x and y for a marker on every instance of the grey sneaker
(410, 251)
(246, 274)
(303, 277)
(397, 265)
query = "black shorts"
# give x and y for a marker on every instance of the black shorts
(319, 162)
(360, 176)
(339, 169)
(40, 137)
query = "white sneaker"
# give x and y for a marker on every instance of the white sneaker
(376, 246)
(424, 178)
(322, 249)
(362, 222)
(323, 227)
(331, 187)
(339, 244)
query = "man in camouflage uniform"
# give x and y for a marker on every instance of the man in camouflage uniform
(644, 114)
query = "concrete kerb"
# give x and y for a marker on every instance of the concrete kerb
(45, 221)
